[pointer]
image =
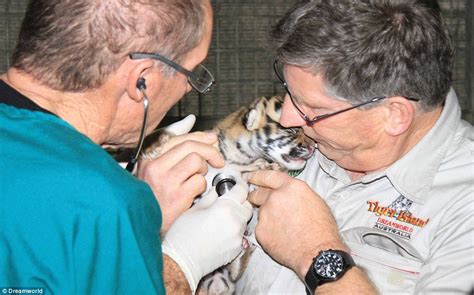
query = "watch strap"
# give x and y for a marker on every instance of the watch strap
(311, 280)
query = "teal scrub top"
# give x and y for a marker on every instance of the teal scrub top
(72, 221)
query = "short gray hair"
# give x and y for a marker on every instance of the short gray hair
(74, 45)
(369, 48)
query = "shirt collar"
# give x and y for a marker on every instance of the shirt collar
(409, 178)
(413, 174)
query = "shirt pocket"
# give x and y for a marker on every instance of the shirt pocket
(392, 264)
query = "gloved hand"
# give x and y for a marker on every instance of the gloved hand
(175, 168)
(182, 126)
(209, 234)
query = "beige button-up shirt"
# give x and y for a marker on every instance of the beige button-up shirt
(410, 227)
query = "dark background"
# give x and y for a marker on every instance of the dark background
(241, 63)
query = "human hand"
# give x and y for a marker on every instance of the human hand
(209, 234)
(294, 222)
(176, 176)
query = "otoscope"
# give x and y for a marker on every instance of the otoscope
(223, 183)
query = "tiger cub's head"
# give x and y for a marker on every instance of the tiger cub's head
(253, 135)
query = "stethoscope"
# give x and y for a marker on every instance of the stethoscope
(141, 85)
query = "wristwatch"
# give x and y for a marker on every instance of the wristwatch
(327, 266)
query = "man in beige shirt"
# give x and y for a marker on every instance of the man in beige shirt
(385, 205)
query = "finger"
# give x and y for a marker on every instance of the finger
(183, 126)
(203, 137)
(259, 196)
(190, 165)
(195, 185)
(269, 178)
(209, 153)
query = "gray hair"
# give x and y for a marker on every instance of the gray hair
(74, 45)
(369, 48)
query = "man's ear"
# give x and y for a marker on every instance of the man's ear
(137, 69)
(400, 115)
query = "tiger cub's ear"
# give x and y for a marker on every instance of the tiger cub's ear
(255, 116)
(250, 119)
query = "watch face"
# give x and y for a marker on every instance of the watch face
(329, 265)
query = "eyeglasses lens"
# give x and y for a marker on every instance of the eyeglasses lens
(202, 79)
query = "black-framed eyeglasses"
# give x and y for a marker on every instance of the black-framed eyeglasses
(278, 68)
(200, 78)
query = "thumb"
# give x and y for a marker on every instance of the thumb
(259, 196)
(183, 126)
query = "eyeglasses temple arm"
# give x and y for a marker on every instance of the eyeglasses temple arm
(317, 118)
(139, 55)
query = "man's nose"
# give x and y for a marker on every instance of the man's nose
(289, 116)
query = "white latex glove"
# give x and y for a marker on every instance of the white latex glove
(209, 234)
(182, 126)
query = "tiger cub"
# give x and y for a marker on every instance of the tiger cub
(249, 139)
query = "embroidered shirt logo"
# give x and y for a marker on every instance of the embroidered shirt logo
(396, 218)
(401, 204)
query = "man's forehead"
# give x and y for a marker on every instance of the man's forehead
(307, 87)
(302, 78)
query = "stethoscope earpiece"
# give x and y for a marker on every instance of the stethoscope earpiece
(141, 85)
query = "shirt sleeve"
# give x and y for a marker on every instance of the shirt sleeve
(450, 265)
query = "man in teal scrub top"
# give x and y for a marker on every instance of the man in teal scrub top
(84, 75)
